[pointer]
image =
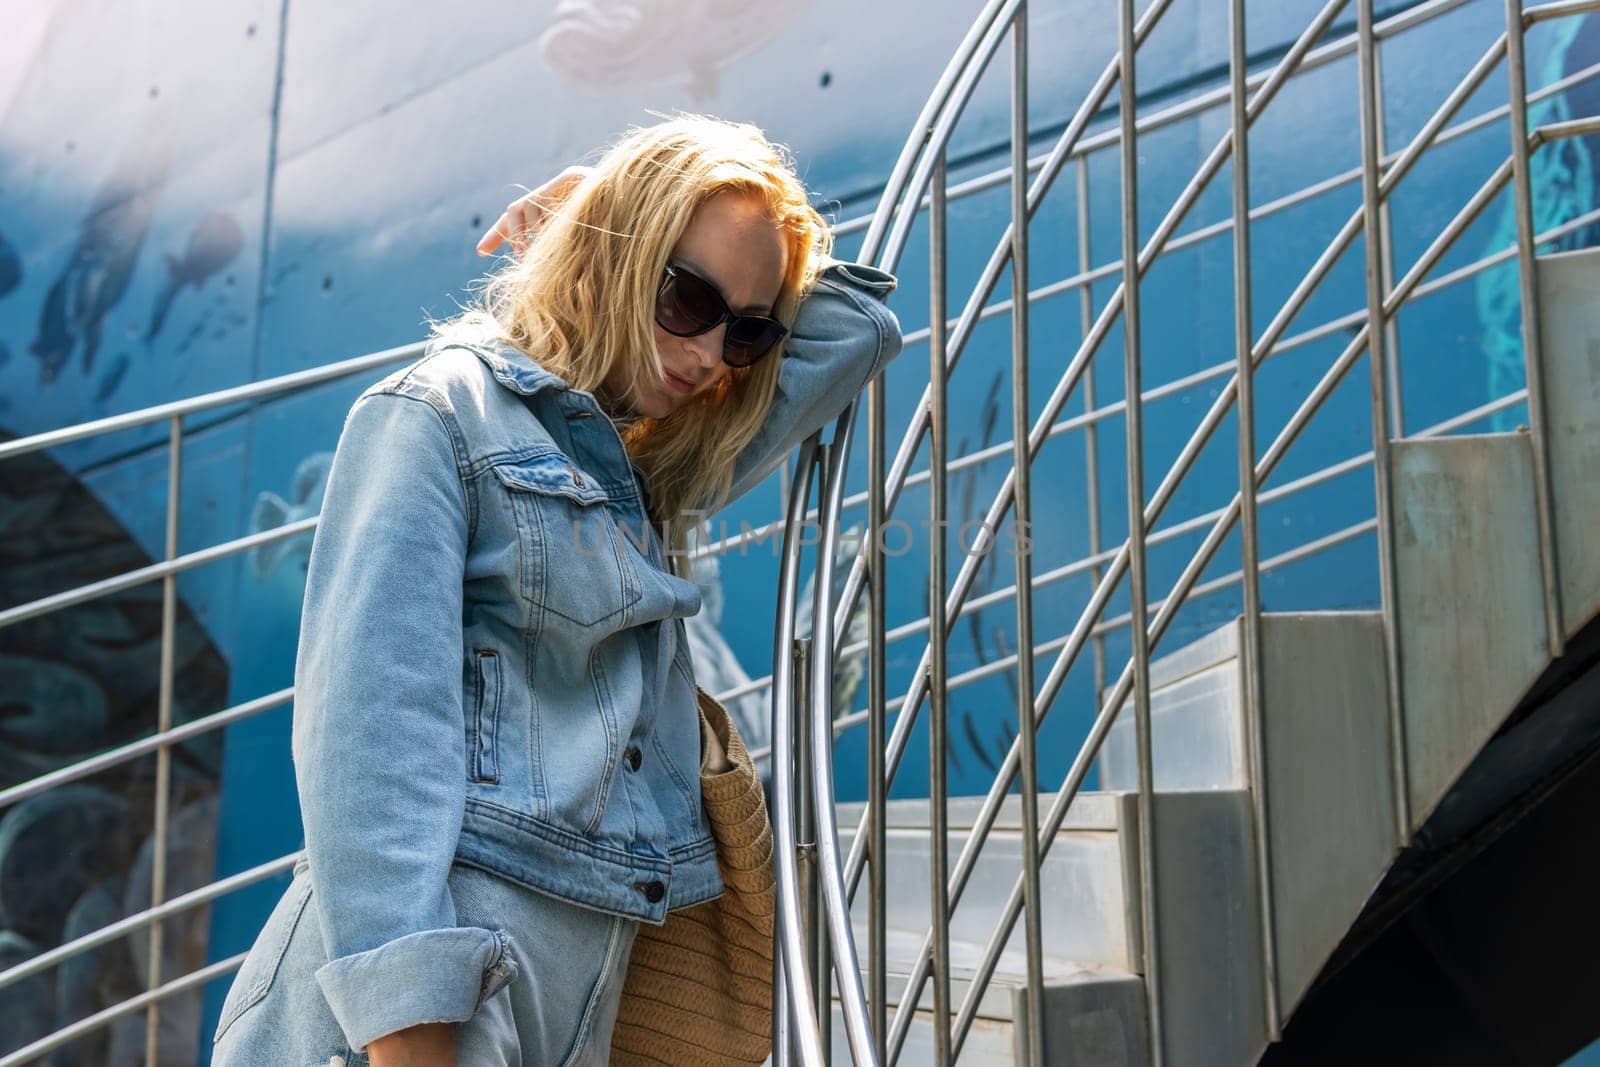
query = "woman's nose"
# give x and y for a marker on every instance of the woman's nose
(707, 349)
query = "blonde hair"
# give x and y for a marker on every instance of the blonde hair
(581, 300)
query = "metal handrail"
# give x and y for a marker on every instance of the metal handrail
(1181, 590)
(1187, 581)
(836, 910)
(1560, 9)
(127, 753)
(1191, 107)
(793, 994)
(139, 920)
(843, 723)
(177, 409)
(1213, 418)
(147, 1000)
(1076, 367)
(1381, 306)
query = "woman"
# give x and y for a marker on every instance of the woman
(496, 734)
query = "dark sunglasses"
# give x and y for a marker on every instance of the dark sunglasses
(687, 305)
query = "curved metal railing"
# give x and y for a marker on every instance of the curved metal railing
(1379, 174)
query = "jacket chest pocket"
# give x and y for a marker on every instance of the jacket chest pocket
(578, 567)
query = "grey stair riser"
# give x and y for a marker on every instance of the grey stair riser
(1208, 930)
(1331, 816)
(1196, 733)
(1569, 329)
(1330, 794)
(1083, 884)
(1470, 601)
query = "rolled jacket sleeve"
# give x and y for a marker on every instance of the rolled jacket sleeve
(843, 334)
(378, 737)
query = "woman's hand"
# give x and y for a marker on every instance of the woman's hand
(523, 216)
(427, 1045)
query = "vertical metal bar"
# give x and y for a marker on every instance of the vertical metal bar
(1527, 267)
(1391, 325)
(1250, 570)
(1091, 430)
(807, 814)
(823, 975)
(877, 728)
(1366, 51)
(938, 783)
(169, 625)
(796, 1036)
(783, 1015)
(1033, 1031)
(1139, 598)
(805, 845)
(805, 828)
(837, 952)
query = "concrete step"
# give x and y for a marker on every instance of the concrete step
(1206, 918)
(1092, 1017)
(1469, 599)
(1329, 792)
(1087, 879)
(1198, 731)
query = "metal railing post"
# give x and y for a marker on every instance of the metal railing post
(1091, 431)
(1137, 580)
(163, 787)
(1022, 513)
(1372, 226)
(877, 714)
(1250, 543)
(835, 937)
(938, 681)
(796, 1034)
(1527, 268)
(1391, 325)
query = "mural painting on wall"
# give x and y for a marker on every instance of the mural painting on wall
(272, 511)
(1564, 175)
(78, 857)
(111, 239)
(626, 44)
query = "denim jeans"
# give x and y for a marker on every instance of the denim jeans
(551, 999)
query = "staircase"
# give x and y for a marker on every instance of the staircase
(1258, 784)
(1472, 640)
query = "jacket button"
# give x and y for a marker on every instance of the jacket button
(635, 757)
(653, 891)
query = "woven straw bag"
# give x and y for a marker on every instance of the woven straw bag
(699, 987)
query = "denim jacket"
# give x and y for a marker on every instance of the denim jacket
(493, 668)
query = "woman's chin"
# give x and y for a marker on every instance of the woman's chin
(657, 406)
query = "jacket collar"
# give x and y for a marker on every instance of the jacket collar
(515, 370)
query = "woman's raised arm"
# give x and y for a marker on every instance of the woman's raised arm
(843, 334)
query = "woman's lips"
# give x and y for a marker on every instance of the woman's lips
(681, 385)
